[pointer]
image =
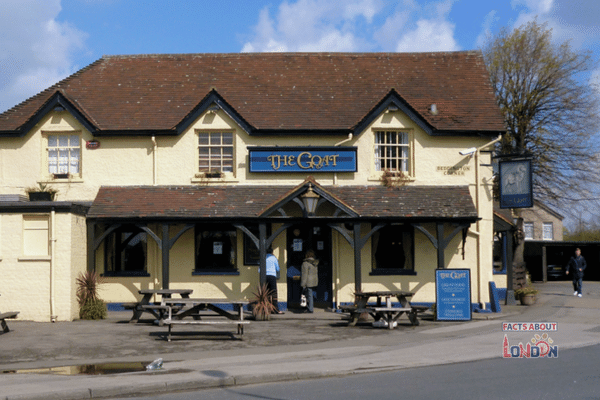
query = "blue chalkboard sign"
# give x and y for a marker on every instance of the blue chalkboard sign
(453, 294)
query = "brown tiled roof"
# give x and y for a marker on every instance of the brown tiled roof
(275, 91)
(198, 202)
(408, 201)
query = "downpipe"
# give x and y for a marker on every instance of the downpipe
(53, 316)
(349, 138)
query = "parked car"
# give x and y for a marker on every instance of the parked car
(556, 272)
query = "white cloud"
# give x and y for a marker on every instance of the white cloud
(486, 28)
(352, 25)
(36, 51)
(387, 35)
(311, 25)
(573, 21)
(431, 34)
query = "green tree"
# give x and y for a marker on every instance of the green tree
(550, 109)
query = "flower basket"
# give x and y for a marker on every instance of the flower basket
(41, 192)
(40, 196)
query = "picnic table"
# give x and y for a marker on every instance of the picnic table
(4, 316)
(204, 312)
(158, 309)
(383, 308)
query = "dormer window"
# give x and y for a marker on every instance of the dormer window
(215, 153)
(392, 151)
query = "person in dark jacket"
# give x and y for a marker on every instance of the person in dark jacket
(310, 278)
(577, 264)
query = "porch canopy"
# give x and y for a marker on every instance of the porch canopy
(242, 206)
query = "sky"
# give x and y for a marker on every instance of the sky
(44, 41)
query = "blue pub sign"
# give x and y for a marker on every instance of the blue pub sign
(302, 159)
(453, 294)
(516, 188)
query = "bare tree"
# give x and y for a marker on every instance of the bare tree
(550, 108)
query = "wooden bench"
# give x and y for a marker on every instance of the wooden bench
(391, 314)
(129, 306)
(411, 311)
(348, 308)
(6, 315)
(240, 324)
(419, 309)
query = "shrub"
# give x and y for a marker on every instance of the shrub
(93, 309)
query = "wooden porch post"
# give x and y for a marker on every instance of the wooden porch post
(441, 246)
(165, 255)
(507, 248)
(262, 248)
(357, 259)
(91, 249)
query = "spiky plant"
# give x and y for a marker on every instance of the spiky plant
(87, 286)
(262, 305)
(90, 304)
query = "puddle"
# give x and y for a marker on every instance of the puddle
(90, 369)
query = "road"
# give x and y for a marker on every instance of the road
(573, 375)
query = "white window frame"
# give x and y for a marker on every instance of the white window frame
(73, 165)
(217, 160)
(400, 144)
(546, 225)
(528, 228)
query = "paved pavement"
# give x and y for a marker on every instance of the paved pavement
(290, 346)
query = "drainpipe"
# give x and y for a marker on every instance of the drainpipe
(335, 145)
(53, 316)
(155, 167)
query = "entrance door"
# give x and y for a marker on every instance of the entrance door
(301, 238)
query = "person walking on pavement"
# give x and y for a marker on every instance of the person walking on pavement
(310, 278)
(577, 264)
(272, 274)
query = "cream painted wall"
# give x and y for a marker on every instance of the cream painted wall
(26, 281)
(133, 160)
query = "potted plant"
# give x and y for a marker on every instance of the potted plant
(527, 295)
(213, 174)
(90, 304)
(41, 192)
(394, 178)
(262, 306)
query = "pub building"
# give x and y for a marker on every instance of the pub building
(180, 171)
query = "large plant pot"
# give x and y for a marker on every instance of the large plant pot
(262, 317)
(528, 299)
(40, 196)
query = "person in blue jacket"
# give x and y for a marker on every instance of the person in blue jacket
(272, 274)
(577, 264)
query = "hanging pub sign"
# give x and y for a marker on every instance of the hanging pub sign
(516, 188)
(302, 159)
(453, 294)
